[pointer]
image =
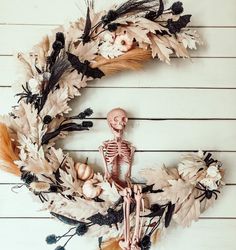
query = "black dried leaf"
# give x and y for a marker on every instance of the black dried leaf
(208, 159)
(176, 26)
(87, 28)
(130, 7)
(84, 68)
(177, 8)
(149, 189)
(112, 217)
(157, 213)
(152, 15)
(169, 214)
(65, 219)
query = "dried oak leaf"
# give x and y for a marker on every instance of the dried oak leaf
(178, 191)
(188, 211)
(159, 177)
(57, 103)
(160, 48)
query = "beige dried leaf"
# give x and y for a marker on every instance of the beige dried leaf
(189, 211)
(160, 49)
(57, 103)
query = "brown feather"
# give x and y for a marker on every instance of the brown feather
(112, 244)
(7, 152)
(132, 60)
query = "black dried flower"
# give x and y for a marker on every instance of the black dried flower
(177, 8)
(81, 229)
(51, 239)
(47, 119)
(145, 243)
(155, 207)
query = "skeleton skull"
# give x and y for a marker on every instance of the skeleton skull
(117, 120)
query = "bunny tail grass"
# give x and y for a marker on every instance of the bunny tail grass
(7, 153)
(132, 60)
(112, 244)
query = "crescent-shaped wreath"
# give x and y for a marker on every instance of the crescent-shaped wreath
(123, 214)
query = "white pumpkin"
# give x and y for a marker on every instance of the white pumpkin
(91, 189)
(84, 171)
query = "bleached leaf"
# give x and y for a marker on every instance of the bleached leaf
(188, 212)
(110, 191)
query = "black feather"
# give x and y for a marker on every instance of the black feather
(169, 214)
(57, 46)
(128, 8)
(61, 66)
(84, 68)
(87, 28)
(65, 219)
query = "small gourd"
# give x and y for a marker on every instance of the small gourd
(91, 189)
(84, 171)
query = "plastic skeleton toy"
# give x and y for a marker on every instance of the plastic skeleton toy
(116, 152)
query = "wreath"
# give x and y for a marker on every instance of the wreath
(122, 212)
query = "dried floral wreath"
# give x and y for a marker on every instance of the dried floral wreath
(121, 213)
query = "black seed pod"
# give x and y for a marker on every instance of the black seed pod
(88, 112)
(51, 239)
(112, 27)
(155, 207)
(177, 8)
(145, 243)
(81, 229)
(87, 124)
(57, 45)
(60, 248)
(47, 119)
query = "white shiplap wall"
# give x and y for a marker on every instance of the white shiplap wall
(187, 106)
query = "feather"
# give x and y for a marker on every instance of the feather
(132, 60)
(7, 152)
(112, 244)
(128, 8)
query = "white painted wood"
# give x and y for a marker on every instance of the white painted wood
(199, 72)
(161, 103)
(211, 13)
(15, 38)
(203, 235)
(161, 135)
(210, 69)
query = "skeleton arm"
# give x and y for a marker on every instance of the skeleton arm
(107, 174)
(128, 174)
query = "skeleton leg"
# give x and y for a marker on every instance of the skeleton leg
(125, 244)
(138, 221)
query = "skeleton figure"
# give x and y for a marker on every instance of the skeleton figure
(116, 152)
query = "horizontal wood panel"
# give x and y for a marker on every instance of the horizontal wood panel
(145, 160)
(15, 38)
(203, 235)
(150, 103)
(161, 135)
(197, 72)
(211, 13)
(224, 206)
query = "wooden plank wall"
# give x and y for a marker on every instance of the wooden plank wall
(184, 107)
